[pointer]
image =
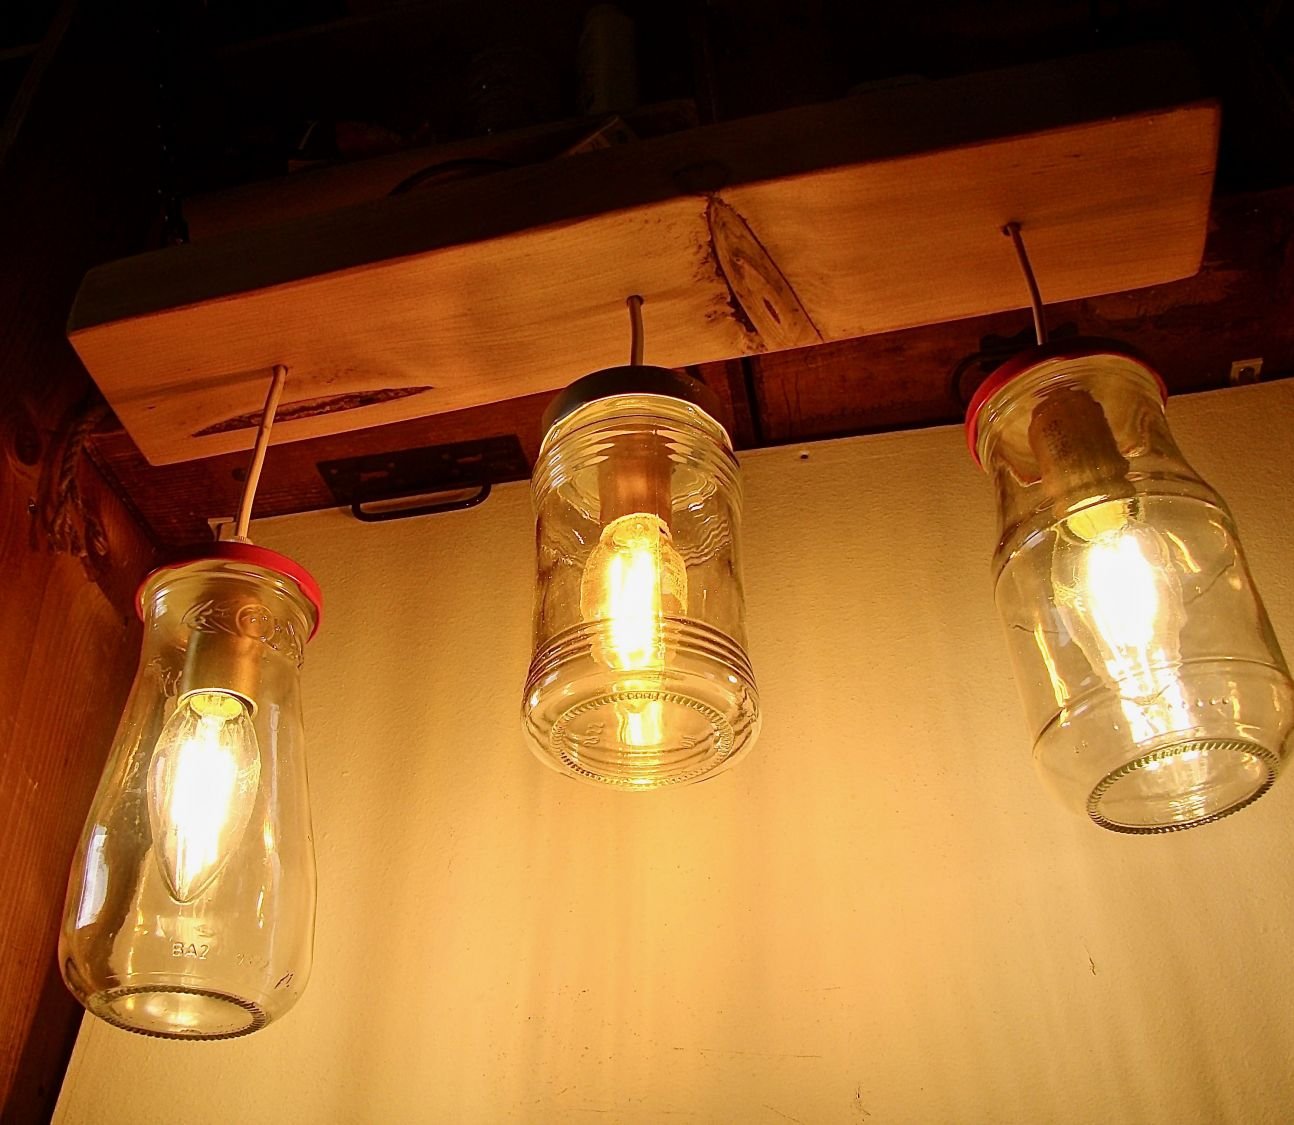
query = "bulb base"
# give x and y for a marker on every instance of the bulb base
(1078, 455)
(228, 662)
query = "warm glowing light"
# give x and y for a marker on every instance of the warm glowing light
(633, 580)
(202, 785)
(1121, 597)
(641, 724)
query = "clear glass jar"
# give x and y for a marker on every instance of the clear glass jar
(1154, 687)
(190, 907)
(640, 677)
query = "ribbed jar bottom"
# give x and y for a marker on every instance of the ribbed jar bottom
(642, 729)
(1182, 786)
(1225, 728)
(177, 1012)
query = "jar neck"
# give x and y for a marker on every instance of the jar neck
(1094, 408)
(1073, 432)
(230, 613)
(634, 441)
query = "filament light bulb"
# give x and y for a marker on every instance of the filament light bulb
(202, 785)
(634, 578)
(639, 677)
(1156, 694)
(1120, 595)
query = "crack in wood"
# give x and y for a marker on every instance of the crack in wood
(762, 299)
(313, 408)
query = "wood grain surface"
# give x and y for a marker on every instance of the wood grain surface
(1194, 330)
(865, 215)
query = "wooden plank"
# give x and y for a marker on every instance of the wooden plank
(1235, 308)
(876, 213)
(70, 551)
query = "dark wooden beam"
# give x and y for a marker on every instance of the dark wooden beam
(344, 183)
(73, 190)
(179, 501)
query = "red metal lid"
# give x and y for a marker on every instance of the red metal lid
(1080, 347)
(245, 553)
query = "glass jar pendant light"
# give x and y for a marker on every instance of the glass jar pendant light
(1155, 689)
(190, 907)
(640, 677)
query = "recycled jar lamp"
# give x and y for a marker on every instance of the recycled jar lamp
(1154, 687)
(190, 907)
(640, 677)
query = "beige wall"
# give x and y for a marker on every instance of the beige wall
(878, 917)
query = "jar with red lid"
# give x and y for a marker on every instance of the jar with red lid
(1155, 691)
(190, 907)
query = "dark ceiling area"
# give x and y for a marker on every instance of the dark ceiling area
(240, 96)
(255, 90)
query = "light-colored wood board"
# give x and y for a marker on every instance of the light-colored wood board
(873, 214)
(1105, 207)
(1194, 331)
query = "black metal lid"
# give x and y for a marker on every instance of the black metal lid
(632, 379)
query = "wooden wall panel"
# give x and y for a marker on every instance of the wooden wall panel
(70, 551)
(65, 667)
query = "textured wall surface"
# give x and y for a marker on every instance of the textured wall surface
(880, 916)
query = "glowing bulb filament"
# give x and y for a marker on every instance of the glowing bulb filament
(641, 724)
(633, 606)
(1123, 603)
(202, 786)
(633, 580)
(1123, 598)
